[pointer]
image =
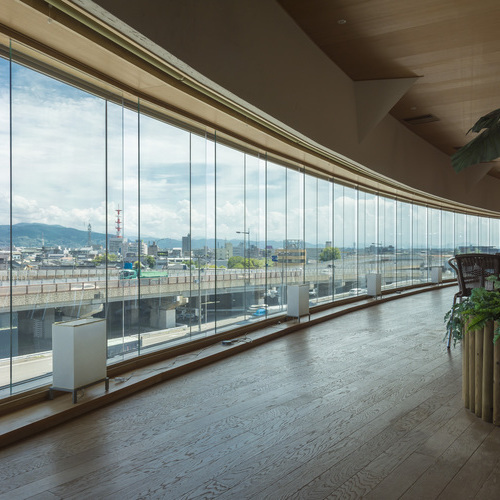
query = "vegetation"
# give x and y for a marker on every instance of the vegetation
(149, 261)
(242, 263)
(100, 259)
(475, 311)
(483, 148)
(329, 253)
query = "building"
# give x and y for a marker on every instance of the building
(117, 246)
(225, 252)
(272, 132)
(291, 257)
(186, 246)
(153, 249)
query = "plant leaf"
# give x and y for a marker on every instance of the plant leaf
(486, 121)
(483, 148)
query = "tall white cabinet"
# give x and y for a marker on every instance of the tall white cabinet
(78, 354)
(298, 300)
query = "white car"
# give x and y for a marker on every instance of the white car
(357, 291)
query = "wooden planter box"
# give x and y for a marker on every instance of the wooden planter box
(481, 373)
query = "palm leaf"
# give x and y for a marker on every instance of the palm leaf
(483, 148)
(486, 121)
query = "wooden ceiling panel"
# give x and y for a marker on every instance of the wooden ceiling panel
(452, 45)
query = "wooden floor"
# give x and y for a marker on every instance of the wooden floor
(367, 405)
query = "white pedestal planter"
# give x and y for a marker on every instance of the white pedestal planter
(78, 355)
(298, 300)
(374, 284)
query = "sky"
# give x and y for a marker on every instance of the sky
(63, 158)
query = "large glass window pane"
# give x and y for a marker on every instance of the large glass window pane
(460, 233)
(326, 263)
(434, 239)
(367, 255)
(484, 235)
(8, 331)
(340, 286)
(58, 212)
(118, 288)
(494, 229)
(420, 250)
(387, 236)
(232, 300)
(164, 221)
(294, 244)
(404, 262)
(448, 241)
(311, 236)
(255, 223)
(276, 234)
(199, 312)
(352, 281)
(123, 308)
(472, 241)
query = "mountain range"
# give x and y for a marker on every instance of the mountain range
(35, 235)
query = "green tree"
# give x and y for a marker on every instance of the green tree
(329, 253)
(101, 258)
(242, 263)
(235, 263)
(150, 261)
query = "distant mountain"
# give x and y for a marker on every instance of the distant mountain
(33, 234)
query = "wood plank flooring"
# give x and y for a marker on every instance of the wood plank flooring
(367, 405)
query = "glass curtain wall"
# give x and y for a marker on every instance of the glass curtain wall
(112, 209)
(311, 236)
(231, 300)
(199, 238)
(276, 220)
(387, 237)
(447, 242)
(435, 257)
(8, 321)
(340, 286)
(356, 283)
(494, 231)
(404, 258)
(58, 181)
(256, 294)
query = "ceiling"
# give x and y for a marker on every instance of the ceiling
(452, 46)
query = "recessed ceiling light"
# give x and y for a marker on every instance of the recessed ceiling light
(413, 108)
(417, 120)
(341, 21)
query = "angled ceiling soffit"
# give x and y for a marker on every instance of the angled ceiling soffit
(375, 98)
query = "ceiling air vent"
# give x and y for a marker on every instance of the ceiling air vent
(418, 120)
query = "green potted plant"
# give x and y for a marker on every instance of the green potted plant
(475, 312)
(475, 322)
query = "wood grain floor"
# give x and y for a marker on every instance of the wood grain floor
(367, 405)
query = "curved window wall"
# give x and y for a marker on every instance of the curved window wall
(111, 209)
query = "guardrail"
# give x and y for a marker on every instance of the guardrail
(82, 286)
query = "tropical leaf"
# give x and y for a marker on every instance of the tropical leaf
(486, 121)
(483, 148)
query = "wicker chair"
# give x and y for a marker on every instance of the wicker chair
(472, 269)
